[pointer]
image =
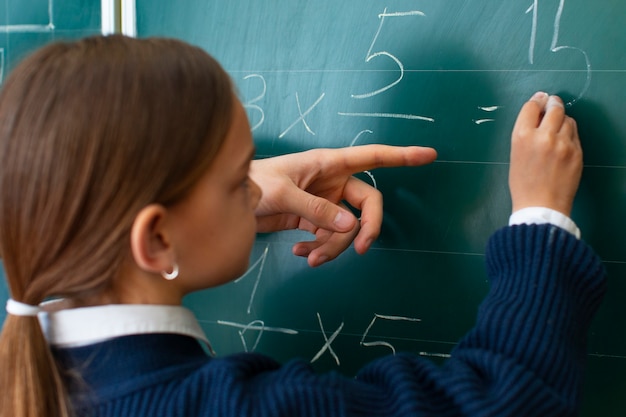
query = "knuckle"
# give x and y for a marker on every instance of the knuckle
(523, 132)
(317, 207)
(376, 195)
(379, 160)
(565, 151)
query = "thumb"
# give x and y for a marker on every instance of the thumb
(322, 213)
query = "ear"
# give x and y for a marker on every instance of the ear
(150, 241)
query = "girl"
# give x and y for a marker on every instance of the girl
(125, 183)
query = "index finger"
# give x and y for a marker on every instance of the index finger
(365, 157)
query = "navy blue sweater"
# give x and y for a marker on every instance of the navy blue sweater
(524, 357)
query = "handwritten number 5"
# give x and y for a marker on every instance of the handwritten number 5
(373, 55)
(380, 342)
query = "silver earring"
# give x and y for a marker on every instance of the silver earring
(170, 275)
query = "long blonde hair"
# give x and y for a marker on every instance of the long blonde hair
(91, 131)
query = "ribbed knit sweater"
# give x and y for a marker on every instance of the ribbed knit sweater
(524, 357)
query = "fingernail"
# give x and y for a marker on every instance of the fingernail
(554, 101)
(539, 95)
(343, 220)
(301, 251)
(366, 246)
(322, 259)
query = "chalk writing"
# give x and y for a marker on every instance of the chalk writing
(261, 263)
(327, 342)
(435, 355)
(257, 325)
(32, 27)
(369, 56)
(378, 332)
(25, 28)
(371, 176)
(250, 104)
(380, 342)
(554, 47)
(488, 109)
(389, 115)
(368, 173)
(358, 136)
(302, 115)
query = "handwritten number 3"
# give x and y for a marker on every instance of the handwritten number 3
(250, 104)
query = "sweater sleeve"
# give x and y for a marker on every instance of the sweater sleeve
(526, 354)
(545, 288)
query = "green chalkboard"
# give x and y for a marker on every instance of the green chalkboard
(451, 75)
(26, 25)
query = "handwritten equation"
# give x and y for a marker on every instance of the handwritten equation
(377, 52)
(250, 333)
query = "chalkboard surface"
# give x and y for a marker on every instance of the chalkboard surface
(28, 24)
(451, 75)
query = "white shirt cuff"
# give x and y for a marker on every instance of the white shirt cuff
(543, 215)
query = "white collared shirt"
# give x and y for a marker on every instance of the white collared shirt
(542, 215)
(76, 327)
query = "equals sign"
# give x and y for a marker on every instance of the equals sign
(488, 109)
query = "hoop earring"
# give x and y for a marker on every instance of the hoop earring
(170, 275)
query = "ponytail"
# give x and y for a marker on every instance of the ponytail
(30, 382)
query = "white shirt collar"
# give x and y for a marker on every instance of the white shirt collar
(83, 326)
